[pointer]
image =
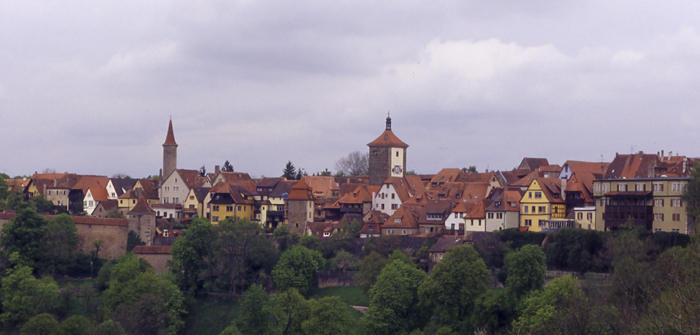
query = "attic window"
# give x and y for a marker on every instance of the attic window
(397, 220)
(512, 204)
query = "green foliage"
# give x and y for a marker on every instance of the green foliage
(329, 316)
(516, 239)
(370, 268)
(59, 244)
(133, 240)
(4, 187)
(285, 238)
(109, 327)
(691, 197)
(350, 295)
(192, 254)
(242, 252)
(231, 330)
(289, 172)
(24, 235)
(454, 285)
(494, 309)
(526, 270)
(330, 246)
(42, 324)
(384, 245)
(254, 317)
(149, 314)
(576, 249)
(42, 205)
(227, 167)
(343, 261)
(309, 242)
(114, 213)
(399, 255)
(130, 279)
(24, 296)
(297, 268)
(75, 325)
(540, 307)
(394, 304)
(289, 310)
(15, 202)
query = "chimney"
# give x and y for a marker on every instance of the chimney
(662, 155)
(563, 189)
(217, 169)
(54, 182)
(670, 153)
(139, 193)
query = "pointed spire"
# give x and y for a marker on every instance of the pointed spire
(170, 138)
(388, 121)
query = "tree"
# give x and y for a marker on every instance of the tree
(691, 197)
(24, 296)
(289, 171)
(42, 324)
(147, 315)
(254, 317)
(343, 261)
(75, 325)
(4, 192)
(394, 304)
(97, 244)
(329, 316)
(192, 254)
(454, 285)
(239, 239)
(285, 238)
(526, 270)
(114, 213)
(325, 173)
(59, 243)
(355, 164)
(42, 205)
(203, 171)
(289, 310)
(24, 235)
(297, 268)
(370, 268)
(471, 169)
(227, 167)
(121, 176)
(136, 292)
(133, 240)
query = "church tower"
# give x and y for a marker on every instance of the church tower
(169, 152)
(387, 156)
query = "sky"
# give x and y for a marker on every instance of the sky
(89, 86)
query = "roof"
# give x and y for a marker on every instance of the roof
(98, 193)
(108, 204)
(141, 207)
(406, 216)
(282, 188)
(192, 178)
(592, 167)
(448, 241)
(504, 200)
(170, 138)
(361, 194)
(322, 185)
(234, 191)
(406, 186)
(387, 139)
(200, 193)
(638, 165)
(86, 182)
(152, 249)
(149, 187)
(122, 185)
(533, 163)
(300, 191)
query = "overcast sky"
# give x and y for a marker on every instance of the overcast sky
(89, 86)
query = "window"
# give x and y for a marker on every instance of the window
(490, 215)
(393, 195)
(165, 233)
(229, 208)
(528, 222)
(397, 220)
(382, 206)
(167, 189)
(658, 216)
(579, 216)
(589, 226)
(239, 208)
(589, 216)
(499, 215)
(529, 195)
(176, 188)
(525, 209)
(675, 202)
(176, 200)
(538, 195)
(214, 219)
(675, 217)
(606, 187)
(640, 187)
(658, 202)
(394, 206)
(49, 192)
(191, 206)
(403, 232)
(622, 187)
(541, 209)
(596, 188)
(532, 209)
(434, 217)
(658, 187)
(215, 208)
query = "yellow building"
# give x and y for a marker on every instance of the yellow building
(194, 203)
(541, 204)
(228, 200)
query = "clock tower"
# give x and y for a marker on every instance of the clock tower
(387, 156)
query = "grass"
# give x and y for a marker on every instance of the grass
(350, 295)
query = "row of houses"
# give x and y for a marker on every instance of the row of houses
(639, 189)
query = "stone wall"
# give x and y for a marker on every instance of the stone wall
(297, 215)
(379, 161)
(337, 278)
(157, 256)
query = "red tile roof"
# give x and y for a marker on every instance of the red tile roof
(387, 139)
(170, 138)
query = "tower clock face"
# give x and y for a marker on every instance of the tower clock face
(397, 169)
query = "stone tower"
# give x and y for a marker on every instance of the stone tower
(142, 220)
(169, 152)
(300, 204)
(387, 156)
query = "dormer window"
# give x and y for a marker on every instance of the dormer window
(166, 233)
(397, 220)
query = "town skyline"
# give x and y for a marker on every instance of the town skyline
(89, 88)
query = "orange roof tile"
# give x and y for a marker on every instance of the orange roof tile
(170, 138)
(388, 139)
